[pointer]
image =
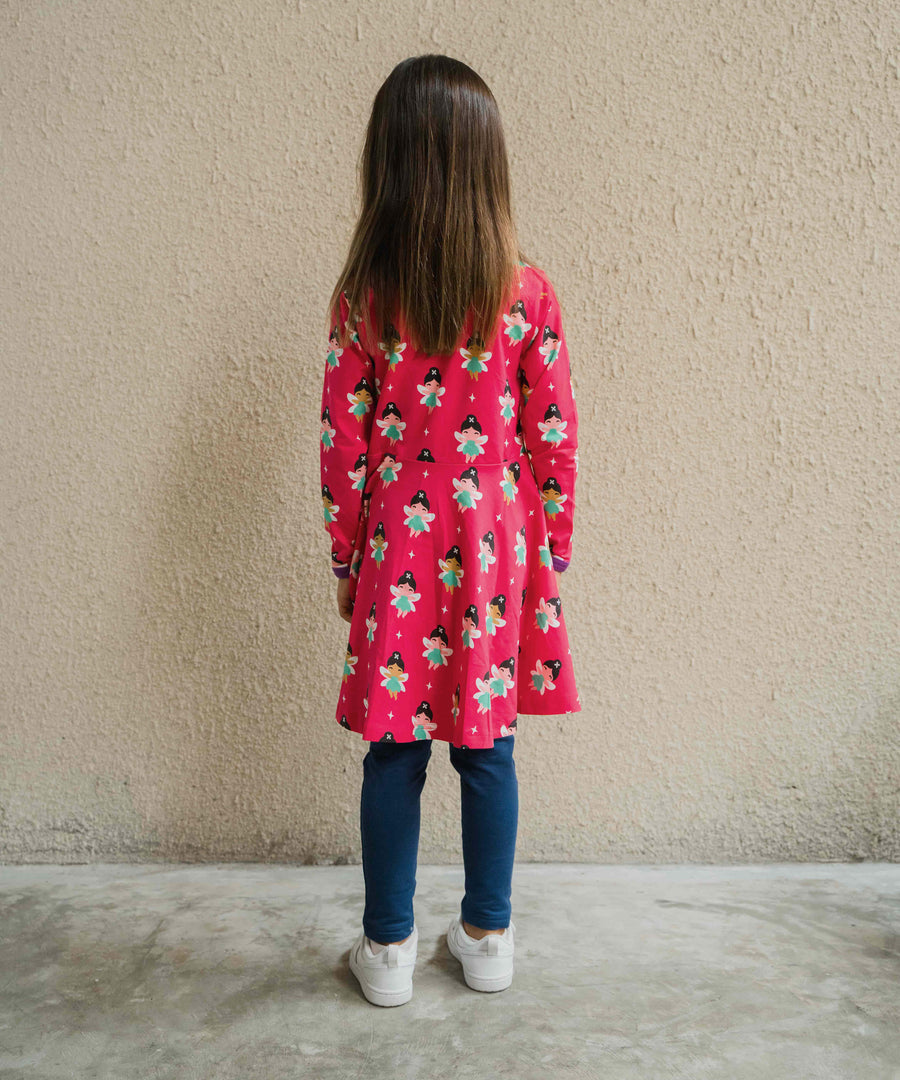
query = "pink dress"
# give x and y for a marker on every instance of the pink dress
(448, 493)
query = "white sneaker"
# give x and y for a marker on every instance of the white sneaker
(385, 976)
(488, 962)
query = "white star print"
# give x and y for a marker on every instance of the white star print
(390, 716)
(471, 397)
(499, 516)
(474, 729)
(428, 686)
(425, 473)
(444, 609)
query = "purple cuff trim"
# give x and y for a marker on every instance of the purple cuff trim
(559, 564)
(341, 571)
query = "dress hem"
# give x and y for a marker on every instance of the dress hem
(549, 712)
(360, 730)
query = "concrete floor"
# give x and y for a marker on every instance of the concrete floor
(240, 971)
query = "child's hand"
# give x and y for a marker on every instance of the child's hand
(345, 604)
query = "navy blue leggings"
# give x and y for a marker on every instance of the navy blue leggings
(393, 778)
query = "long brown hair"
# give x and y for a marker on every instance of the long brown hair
(435, 238)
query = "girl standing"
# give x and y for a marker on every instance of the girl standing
(445, 358)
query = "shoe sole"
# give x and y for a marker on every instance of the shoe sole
(386, 998)
(486, 984)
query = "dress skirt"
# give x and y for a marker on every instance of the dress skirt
(457, 623)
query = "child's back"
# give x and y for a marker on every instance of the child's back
(448, 478)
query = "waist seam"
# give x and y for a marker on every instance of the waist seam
(454, 462)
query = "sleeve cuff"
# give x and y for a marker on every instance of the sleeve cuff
(341, 571)
(559, 563)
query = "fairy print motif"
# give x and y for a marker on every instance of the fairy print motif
(378, 543)
(454, 703)
(549, 347)
(470, 631)
(329, 506)
(431, 390)
(357, 475)
(423, 721)
(502, 678)
(392, 346)
(466, 488)
(349, 663)
(546, 614)
(493, 612)
(391, 424)
(404, 593)
(486, 556)
(393, 674)
(355, 563)
(328, 432)
(475, 357)
(482, 693)
(519, 549)
(470, 439)
(437, 648)
(371, 624)
(516, 324)
(418, 514)
(544, 674)
(361, 399)
(424, 455)
(353, 321)
(334, 351)
(508, 485)
(552, 427)
(552, 495)
(507, 403)
(451, 569)
(389, 468)
(545, 555)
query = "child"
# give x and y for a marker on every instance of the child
(449, 450)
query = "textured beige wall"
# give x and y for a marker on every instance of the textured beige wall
(713, 189)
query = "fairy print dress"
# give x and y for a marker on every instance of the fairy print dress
(448, 494)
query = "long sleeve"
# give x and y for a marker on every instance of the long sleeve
(348, 406)
(549, 420)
